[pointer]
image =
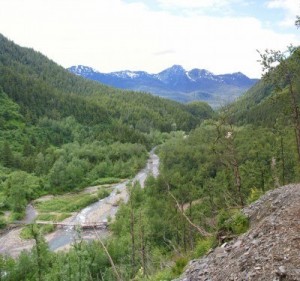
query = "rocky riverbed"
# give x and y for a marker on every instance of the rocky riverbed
(101, 211)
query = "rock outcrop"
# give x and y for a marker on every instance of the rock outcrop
(270, 250)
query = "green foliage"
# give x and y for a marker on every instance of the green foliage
(254, 195)
(108, 180)
(21, 187)
(61, 133)
(180, 264)
(56, 217)
(203, 246)
(64, 132)
(165, 275)
(201, 109)
(3, 222)
(102, 193)
(26, 232)
(66, 203)
(10, 117)
(233, 222)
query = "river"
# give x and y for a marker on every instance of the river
(101, 211)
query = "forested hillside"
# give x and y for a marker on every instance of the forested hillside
(60, 133)
(274, 97)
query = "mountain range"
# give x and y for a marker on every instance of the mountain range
(175, 83)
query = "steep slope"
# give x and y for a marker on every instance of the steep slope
(60, 132)
(273, 97)
(268, 251)
(43, 88)
(175, 83)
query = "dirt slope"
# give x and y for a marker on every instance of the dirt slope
(270, 250)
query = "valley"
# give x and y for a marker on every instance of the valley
(99, 212)
(74, 151)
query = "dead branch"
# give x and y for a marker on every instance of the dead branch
(109, 257)
(199, 229)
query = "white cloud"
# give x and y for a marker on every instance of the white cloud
(193, 3)
(193, 7)
(291, 8)
(112, 35)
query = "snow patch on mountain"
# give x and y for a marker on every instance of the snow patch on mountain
(174, 82)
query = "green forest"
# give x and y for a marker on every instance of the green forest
(61, 133)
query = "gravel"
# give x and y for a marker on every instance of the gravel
(270, 250)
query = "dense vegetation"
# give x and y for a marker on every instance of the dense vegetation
(60, 133)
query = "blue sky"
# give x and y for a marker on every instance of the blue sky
(276, 14)
(222, 36)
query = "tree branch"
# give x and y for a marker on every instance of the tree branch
(109, 257)
(199, 229)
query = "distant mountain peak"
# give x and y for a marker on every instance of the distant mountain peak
(126, 74)
(174, 83)
(82, 69)
(196, 74)
(176, 68)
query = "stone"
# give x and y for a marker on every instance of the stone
(268, 251)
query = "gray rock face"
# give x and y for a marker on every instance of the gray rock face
(270, 250)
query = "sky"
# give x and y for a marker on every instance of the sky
(222, 36)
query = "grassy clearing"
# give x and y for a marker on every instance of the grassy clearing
(58, 207)
(55, 217)
(106, 181)
(66, 203)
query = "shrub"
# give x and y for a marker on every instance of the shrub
(2, 222)
(255, 194)
(180, 263)
(102, 193)
(232, 222)
(203, 246)
(239, 223)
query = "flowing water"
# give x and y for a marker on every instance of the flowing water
(103, 210)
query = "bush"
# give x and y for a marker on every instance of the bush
(2, 222)
(15, 216)
(232, 222)
(180, 264)
(203, 246)
(26, 232)
(255, 194)
(239, 223)
(102, 193)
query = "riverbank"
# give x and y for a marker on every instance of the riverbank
(101, 211)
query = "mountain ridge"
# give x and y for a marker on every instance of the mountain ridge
(175, 83)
